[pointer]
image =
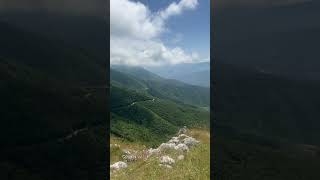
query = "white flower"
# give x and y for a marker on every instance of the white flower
(183, 136)
(166, 160)
(174, 140)
(153, 152)
(180, 157)
(129, 157)
(164, 146)
(182, 147)
(190, 141)
(125, 151)
(118, 165)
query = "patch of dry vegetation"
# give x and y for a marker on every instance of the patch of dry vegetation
(195, 165)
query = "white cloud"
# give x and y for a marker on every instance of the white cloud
(147, 52)
(135, 34)
(128, 18)
(176, 8)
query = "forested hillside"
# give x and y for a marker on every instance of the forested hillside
(163, 88)
(143, 112)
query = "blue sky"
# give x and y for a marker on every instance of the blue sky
(159, 32)
(193, 25)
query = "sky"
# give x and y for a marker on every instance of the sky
(159, 32)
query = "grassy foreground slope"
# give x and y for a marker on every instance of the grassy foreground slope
(196, 164)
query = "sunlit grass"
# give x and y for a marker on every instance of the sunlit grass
(195, 166)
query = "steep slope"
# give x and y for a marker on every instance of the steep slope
(139, 116)
(180, 92)
(137, 72)
(121, 79)
(166, 88)
(195, 165)
(122, 96)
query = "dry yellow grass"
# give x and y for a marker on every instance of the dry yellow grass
(195, 166)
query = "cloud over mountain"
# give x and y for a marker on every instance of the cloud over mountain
(136, 34)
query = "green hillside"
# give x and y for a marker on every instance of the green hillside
(125, 81)
(121, 97)
(180, 92)
(137, 72)
(139, 78)
(140, 116)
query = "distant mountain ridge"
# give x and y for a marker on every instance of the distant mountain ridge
(137, 71)
(191, 73)
(165, 88)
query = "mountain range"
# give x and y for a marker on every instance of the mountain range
(191, 73)
(149, 109)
